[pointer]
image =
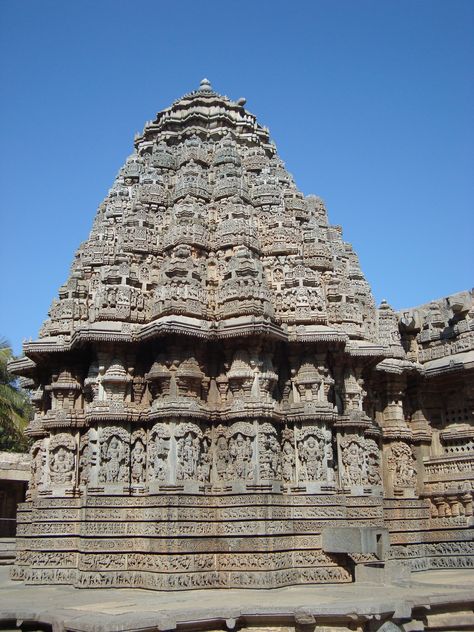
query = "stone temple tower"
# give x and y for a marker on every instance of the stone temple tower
(216, 393)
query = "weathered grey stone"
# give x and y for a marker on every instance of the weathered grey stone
(435, 601)
(214, 388)
(382, 572)
(356, 540)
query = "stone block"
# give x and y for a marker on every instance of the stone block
(356, 540)
(382, 572)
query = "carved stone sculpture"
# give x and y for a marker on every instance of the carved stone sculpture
(214, 385)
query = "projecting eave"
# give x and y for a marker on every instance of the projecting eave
(450, 364)
(363, 348)
(398, 367)
(240, 326)
(23, 366)
(315, 333)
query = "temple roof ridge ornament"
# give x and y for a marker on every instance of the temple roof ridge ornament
(205, 86)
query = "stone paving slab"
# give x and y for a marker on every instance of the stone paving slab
(111, 610)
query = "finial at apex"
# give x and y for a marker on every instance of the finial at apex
(205, 85)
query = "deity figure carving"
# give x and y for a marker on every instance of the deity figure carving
(114, 455)
(328, 465)
(352, 458)
(205, 464)
(188, 451)
(158, 450)
(241, 450)
(311, 454)
(269, 452)
(288, 462)
(38, 462)
(92, 382)
(221, 455)
(360, 461)
(86, 458)
(401, 462)
(62, 458)
(138, 457)
(372, 462)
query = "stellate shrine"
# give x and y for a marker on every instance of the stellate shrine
(219, 402)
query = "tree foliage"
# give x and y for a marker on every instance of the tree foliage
(15, 406)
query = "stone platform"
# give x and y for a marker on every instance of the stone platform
(431, 600)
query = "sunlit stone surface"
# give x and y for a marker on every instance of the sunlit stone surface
(217, 394)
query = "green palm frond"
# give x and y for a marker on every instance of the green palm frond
(15, 405)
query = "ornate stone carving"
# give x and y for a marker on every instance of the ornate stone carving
(270, 462)
(221, 455)
(38, 462)
(114, 455)
(401, 462)
(62, 459)
(138, 457)
(214, 382)
(288, 457)
(360, 460)
(87, 457)
(241, 451)
(158, 450)
(311, 452)
(192, 453)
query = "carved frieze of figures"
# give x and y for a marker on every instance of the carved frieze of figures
(158, 451)
(114, 455)
(192, 452)
(241, 450)
(62, 458)
(269, 453)
(360, 460)
(138, 457)
(401, 462)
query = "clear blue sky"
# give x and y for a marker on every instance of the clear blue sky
(370, 103)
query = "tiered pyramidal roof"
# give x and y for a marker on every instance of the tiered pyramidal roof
(205, 232)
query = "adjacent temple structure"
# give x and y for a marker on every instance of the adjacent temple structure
(219, 402)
